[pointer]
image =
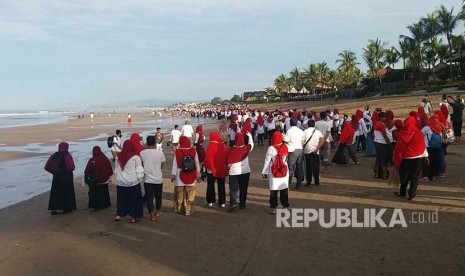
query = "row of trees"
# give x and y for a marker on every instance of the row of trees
(428, 42)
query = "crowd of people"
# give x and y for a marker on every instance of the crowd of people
(406, 150)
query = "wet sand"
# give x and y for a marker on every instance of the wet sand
(214, 242)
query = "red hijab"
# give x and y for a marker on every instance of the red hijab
(354, 121)
(347, 134)
(444, 111)
(185, 148)
(199, 130)
(359, 115)
(435, 123)
(100, 163)
(239, 151)
(399, 125)
(441, 117)
(375, 117)
(260, 120)
(270, 118)
(127, 153)
(422, 115)
(217, 156)
(135, 138)
(247, 126)
(69, 162)
(277, 140)
(410, 142)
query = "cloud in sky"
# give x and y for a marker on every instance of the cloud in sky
(89, 51)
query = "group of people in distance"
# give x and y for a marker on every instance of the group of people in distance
(299, 142)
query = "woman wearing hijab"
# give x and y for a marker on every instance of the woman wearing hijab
(347, 143)
(184, 179)
(217, 169)
(276, 184)
(198, 143)
(260, 129)
(135, 139)
(271, 126)
(129, 175)
(239, 171)
(61, 165)
(233, 128)
(99, 197)
(437, 160)
(369, 143)
(247, 127)
(408, 157)
(360, 132)
(223, 129)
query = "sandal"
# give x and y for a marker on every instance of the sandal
(152, 216)
(134, 220)
(117, 219)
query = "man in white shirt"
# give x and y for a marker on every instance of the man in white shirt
(325, 128)
(116, 144)
(315, 140)
(295, 138)
(187, 130)
(426, 104)
(174, 139)
(152, 160)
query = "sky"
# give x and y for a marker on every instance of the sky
(102, 52)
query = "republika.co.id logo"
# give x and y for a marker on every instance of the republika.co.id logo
(344, 218)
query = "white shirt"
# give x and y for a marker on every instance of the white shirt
(243, 166)
(287, 122)
(116, 141)
(427, 133)
(296, 138)
(175, 134)
(132, 174)
(275, 183)
(175, 171)
(313, 143)
(187, 131)
(426, 106)
(324, 127)
(272, 125)
(152, 161)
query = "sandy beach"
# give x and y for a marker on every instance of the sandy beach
(247, 242)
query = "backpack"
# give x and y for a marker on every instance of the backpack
(110, 141)
(435, 141)
(187, 163)
(57, 163)
(279, 168)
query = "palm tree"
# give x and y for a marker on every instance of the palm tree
(295, 78)
(392, 57)
(448, 22)
(348, 66)
(407, 47)
(443, 52)
(458, 44)
(282, 84)
(416, 38)
(374, 55)
(309, 77)
(321, 73)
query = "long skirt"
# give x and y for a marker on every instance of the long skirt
(434, 161)
(129, 201)
(370, 150)
(62, 196)
(99, 197)
(340, 156)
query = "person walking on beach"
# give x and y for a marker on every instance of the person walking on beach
(233, 129)
(129, 175)
(295, 138)
(314, 141)
(277, 183)
(116, 144)
(382, 147)
(152, 160)
(408, 158)
(159, 139)
(100, 166)
(260, 130)
(239, 171)
(129, 120)
(198, 143)
(325, 128)
(216, 165)
(185, 171)
(174, 138)
(61, 165)
(187, 130)
(457, 120)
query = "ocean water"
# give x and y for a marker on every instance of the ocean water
(27, 118)
(25, 178)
